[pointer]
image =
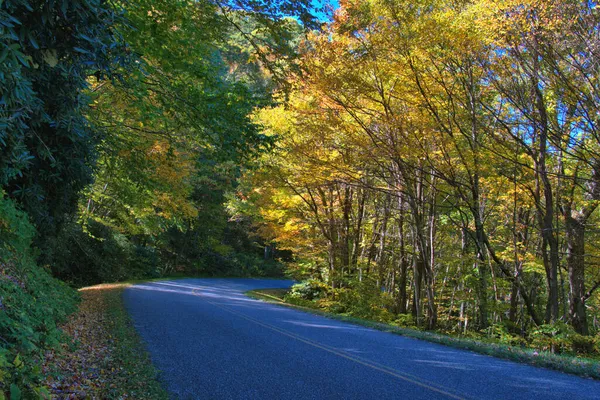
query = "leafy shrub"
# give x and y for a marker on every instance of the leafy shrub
(405, 321)
(555, 338)
(366, 300)
(361, 299)
(330, 305)
(503, 333)
(311, 289)
(98, 253)
(583, 344)
(560, 337)
(333, 303)
(32, 304)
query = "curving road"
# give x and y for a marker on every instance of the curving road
(211, 342)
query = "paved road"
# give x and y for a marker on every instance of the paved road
(212, 342)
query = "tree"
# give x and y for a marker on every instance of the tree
(47, 147)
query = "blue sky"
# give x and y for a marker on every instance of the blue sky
(320, 3)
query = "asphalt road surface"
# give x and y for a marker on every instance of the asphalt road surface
(211, 342)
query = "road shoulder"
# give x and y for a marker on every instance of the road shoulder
(104, 356)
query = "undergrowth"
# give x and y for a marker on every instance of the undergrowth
(32, 305)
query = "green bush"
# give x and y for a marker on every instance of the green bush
(583, 344)
(555, 338)
(311, 289)
(365, 299)
(405, 321)
(97, 253)
(504, 333)
(32, 304)
(361, 299)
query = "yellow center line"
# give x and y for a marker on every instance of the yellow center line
(366, 363)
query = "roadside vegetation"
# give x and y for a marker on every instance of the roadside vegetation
(32, 306)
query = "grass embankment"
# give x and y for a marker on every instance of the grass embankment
(106, 359)
(576, 365)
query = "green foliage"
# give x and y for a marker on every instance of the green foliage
(311, 289)
(504, 333)
(32, 303)
(362, 299)
(177, 133)
(120, 138)
(47, 147)
(405, 321)
(560, 338)
(101, 254)
(584, 345)
(552, 337)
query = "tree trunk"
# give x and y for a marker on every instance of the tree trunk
(344, 239)
(575, 238)
(359, 227)
(514, 295)
(403, 260)
(381, 257)
(482, 270)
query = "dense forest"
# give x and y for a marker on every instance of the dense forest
(432, 164)
(437, 164)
